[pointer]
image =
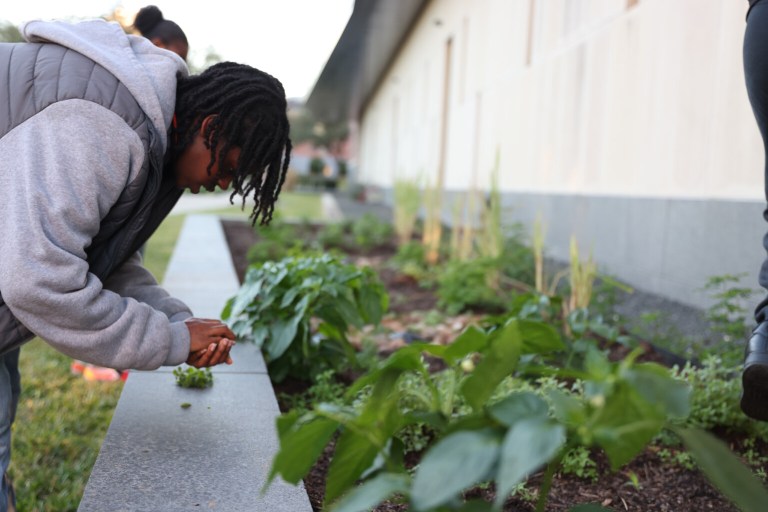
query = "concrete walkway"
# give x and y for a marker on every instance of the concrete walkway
(214, 454)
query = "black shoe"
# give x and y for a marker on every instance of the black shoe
(754, 378)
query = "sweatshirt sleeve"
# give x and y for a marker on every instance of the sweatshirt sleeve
(133, 280)
(60, 173)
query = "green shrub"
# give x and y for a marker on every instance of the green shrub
(274, 306)
(275, 242)
(728, 316)
(332, 236)
(517, 260)
(620, 407)
(715, 399)
(464, 284)
(409, 260)
(325, 389)
(369, 232)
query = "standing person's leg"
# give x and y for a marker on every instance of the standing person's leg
(754, 400)
(10, 387)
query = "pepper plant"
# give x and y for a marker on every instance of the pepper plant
(620, 409)
(278, 301)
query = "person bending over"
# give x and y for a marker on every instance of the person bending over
(100, 132)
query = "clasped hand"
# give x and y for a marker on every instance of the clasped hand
(209, 342)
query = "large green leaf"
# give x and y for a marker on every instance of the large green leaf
(657, 386)
(348, 310)
(499, 361)
(518, 406)
(373, 492)
(281, 335)
(301, 443)
(354, 453)
(372, 303)
(725, 470)
(469, 341)
(626, 424)
(597, 365)
(474, 421)
(539, 337)
(567, 408)
(453, 464)
(405, 359)
(245, 296)
(285, 422)
(380, 411)
(530, 443)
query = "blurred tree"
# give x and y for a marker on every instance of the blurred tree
(9, 33)
(316, 167)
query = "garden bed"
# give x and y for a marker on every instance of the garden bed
(660, 479)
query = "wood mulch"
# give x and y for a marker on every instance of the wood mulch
(646, 484)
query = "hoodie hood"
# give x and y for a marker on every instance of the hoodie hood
(147, 71)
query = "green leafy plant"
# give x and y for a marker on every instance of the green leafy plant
(715, 399)
(517, 262)
(407, 202)
(409, 260)
(278, 301)
(325, 389)
(464, 284)
(369, 231)
(728, 315)
(579, 462)
(276, 241)
(620, 408)
(333, 235)
(193, 377)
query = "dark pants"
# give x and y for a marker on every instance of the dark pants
(10, 387)
(756, 77)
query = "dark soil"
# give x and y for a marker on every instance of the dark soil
(661, 486)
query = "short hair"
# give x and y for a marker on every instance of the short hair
(250, 112)
(151, 24)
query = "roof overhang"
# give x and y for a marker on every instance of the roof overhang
(372, 38)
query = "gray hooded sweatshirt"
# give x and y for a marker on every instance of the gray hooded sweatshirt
(60, 173)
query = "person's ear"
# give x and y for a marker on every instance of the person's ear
(204, 128)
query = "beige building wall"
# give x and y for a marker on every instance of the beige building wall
(579, 96)
(618, 99)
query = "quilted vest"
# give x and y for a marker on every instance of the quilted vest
(38, 75)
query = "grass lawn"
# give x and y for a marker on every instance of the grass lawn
(290, 205)
(62, 419)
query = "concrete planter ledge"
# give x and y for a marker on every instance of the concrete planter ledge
(214, 454)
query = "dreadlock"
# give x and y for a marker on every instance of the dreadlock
(250, 113)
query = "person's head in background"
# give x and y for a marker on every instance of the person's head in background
(162, 32)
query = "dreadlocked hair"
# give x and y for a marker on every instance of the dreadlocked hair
(249, 110)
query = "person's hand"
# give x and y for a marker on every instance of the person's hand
(209, 342)
(216, 353)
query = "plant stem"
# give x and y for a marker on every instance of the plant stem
(549, 475)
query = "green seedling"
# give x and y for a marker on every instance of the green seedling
(193, 377)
